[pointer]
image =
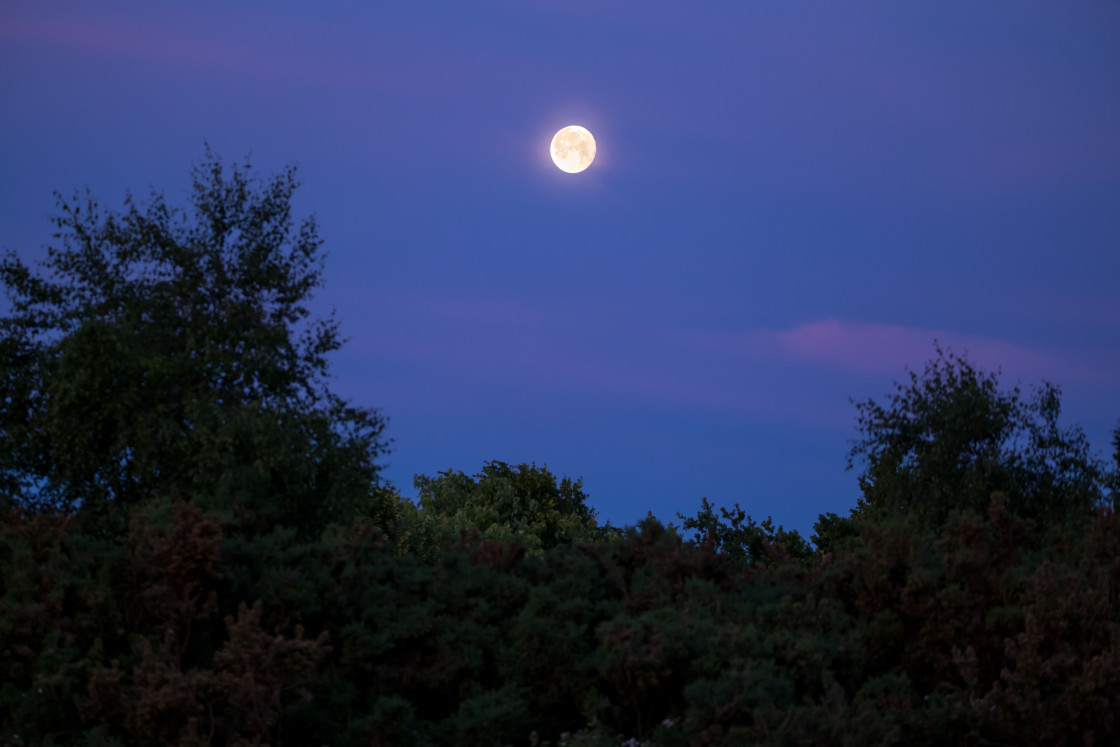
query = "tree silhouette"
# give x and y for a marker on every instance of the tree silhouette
(160, 349)
(949, 438)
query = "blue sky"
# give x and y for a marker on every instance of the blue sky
(790, 201)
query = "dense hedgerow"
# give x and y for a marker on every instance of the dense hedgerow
(179, 633)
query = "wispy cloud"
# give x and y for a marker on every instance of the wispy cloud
(804, 373)
(581, 348)
(239, 49)
(885, 348)
(862, 348)
(120, 39)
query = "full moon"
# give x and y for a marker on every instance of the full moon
(573, 149)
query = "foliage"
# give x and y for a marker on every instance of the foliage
(1114, 473)
(948, 439)
(162, 350)
(970, 636)
(503, 502)
(741, 537)
(130, 644)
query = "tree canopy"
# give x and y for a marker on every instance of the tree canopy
(172, 350)
(738, 535)
(504, 502)
(946, 439)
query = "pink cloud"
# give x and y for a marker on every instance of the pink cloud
(219, 52)
(786, 373)
(123, 39)
(869, 348)
(524, 346)
(874, 348)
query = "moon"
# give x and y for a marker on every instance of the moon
(573, 149)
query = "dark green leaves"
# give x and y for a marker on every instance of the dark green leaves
(950, 437)
(742, 538)
(504, 502)
(170, 351)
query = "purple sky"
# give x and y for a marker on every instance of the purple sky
(790, 201)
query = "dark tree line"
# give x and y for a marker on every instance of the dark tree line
(196, 546)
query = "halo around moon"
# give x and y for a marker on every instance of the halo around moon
(573, 149)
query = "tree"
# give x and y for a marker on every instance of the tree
(168, 350)
(1114, 473)
(503, 502)
(734, 532)
(948, 439)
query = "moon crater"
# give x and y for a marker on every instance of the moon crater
(573, 149)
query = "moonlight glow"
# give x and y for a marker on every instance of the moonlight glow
(573, 149)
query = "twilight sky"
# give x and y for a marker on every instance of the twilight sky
(790, 201)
